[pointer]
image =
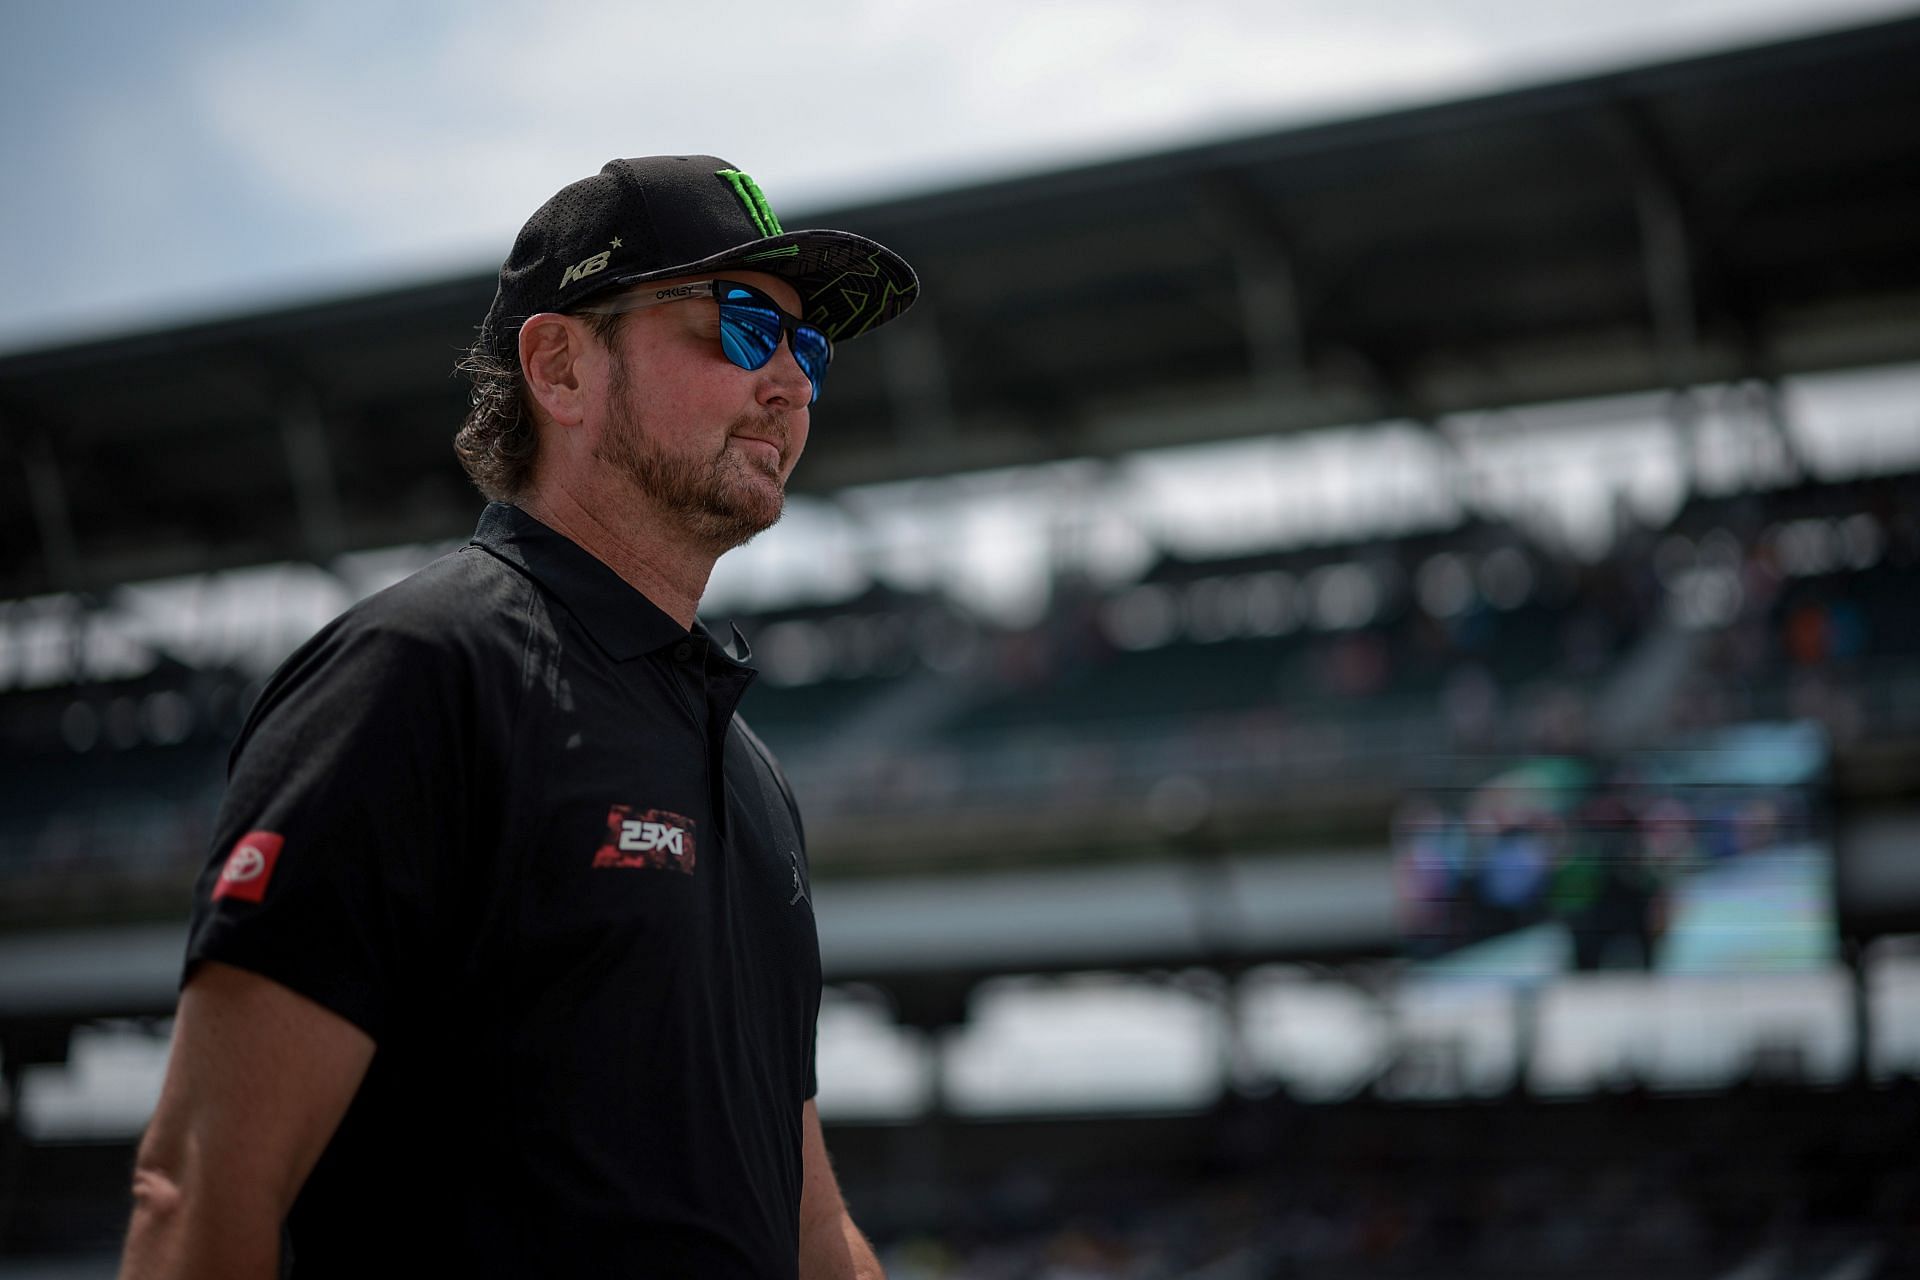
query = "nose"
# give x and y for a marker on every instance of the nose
(783, 380)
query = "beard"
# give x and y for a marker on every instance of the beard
(723, 500)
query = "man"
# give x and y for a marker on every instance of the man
(504, 963)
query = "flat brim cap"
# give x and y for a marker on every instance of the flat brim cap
(656, 217)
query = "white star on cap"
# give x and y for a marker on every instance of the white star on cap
(616, 242)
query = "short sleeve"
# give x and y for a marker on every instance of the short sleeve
(348, 800)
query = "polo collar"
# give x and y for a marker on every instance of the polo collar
(620, 619)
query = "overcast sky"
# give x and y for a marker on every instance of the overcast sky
(162, 161)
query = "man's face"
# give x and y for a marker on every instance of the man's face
(709, 443)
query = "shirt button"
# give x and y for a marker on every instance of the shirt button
(682, 651)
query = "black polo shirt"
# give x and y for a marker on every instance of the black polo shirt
(502, 817)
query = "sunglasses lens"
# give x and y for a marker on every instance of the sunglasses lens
(813, 351)
(748, 333)
(750, 328)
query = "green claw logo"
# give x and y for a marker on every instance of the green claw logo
(756, 204)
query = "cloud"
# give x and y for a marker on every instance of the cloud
(345, 144)
(115, 204)
(453, 135)
(445, 125)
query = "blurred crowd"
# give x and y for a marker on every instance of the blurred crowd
(1757, 1184)
(1273, 674)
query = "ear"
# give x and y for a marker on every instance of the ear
(553, 355)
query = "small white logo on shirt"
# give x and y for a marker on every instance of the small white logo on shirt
(644, 837)
(799, 887)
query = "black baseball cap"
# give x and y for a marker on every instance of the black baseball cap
(659, 216)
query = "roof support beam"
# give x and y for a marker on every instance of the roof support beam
(1667, 258)
(1266, 283)
(52, 515)
(919, 385)
(303, 434)
(1779, 419)
(1765, 393)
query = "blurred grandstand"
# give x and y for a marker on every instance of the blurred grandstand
(1174, 786)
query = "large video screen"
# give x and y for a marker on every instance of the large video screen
(1712, 856)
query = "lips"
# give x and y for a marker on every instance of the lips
(767, 451)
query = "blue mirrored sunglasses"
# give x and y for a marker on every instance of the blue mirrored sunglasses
(750, 324)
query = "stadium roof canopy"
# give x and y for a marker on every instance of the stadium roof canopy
(1744, 215)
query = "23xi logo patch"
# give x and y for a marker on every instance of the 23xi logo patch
(649, 838)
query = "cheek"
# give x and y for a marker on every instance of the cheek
(796, 437)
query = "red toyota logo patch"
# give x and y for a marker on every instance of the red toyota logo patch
(249, 866)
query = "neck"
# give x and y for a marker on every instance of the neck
(638, 544)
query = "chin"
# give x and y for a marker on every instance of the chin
(753, 505)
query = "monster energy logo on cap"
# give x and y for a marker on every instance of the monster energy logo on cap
(749, 193)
